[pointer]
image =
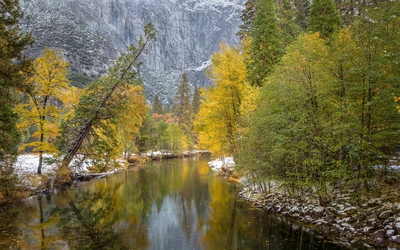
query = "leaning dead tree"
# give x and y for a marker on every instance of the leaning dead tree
(130, 60)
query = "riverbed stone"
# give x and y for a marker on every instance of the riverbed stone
(350, 210)
(342, 214)
(385, 214)
(318, 212)
(367, 230)
(329, 218)
(396, 226)
(389, 233)
(395, 238)
(379, 234)
(373, 202)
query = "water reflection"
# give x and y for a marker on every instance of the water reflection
(176, 204)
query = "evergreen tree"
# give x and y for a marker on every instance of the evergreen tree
(196, 101)
(12, 63)
(286, 16)
(157, 107)
(302, 9)
(266, 47)
(247, 15)
(324, 18)
(181, 108)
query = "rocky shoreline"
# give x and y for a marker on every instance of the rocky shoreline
(371, 224)
(359, 223)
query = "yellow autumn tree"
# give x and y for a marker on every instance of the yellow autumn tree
(132, 118)
(41, 111)
(216, 122)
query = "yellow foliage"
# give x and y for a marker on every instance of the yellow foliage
(220, 108)
(44, 89)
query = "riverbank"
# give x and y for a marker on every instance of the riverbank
(359, 222)
(31, 183)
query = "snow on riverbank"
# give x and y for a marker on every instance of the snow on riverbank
(218, 163)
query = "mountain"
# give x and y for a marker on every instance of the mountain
(92, 33)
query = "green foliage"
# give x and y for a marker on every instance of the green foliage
(196, 101)
(327, 115)
(302, 9)
(12, 65)
(157, 106)
(96, 127)
(13, 68)
(146, 139)
(181, 108)
(80, 80)
(324, 18)
(286, 16)
(247, 15)
(266, 47)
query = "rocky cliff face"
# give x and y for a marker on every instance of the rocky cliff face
(92, 33)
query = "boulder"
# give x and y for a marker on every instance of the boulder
(389, 233)
(385, 214)
(395, 238)
(396, 226)
(318, 212)
(329, 218)
(350, 210)
(379, 234)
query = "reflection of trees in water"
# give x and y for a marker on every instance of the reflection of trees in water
(8, 228)
(87, 223)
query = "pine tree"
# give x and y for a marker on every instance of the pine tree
(302, 9)
(286, 16)
(324, 18)
(196, 101)
(157, 107)
(266, 47)
(247, 15)
(12, 65)
(181, 108)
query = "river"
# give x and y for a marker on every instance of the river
(175, 204)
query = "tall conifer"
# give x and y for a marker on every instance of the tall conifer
(324, 18)
(266, 47)
(157, 107)
(182, 108)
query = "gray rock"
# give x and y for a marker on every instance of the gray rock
(318, 212)
(395, 238)
(385, 214)
(389, 233)
(350, 210)
(367, 230)
(396, 226)
(373, 202)
(93, 33)
(375, 236)
(329, 218)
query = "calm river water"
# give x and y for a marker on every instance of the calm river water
(177, 204)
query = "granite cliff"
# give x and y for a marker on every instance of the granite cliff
(92, 33)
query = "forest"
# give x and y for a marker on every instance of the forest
(308, 99)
